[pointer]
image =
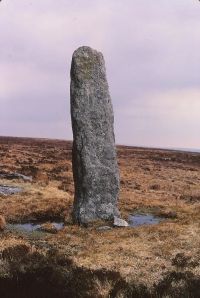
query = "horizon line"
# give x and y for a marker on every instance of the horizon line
(185, 149)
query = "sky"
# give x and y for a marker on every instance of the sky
(152, 54)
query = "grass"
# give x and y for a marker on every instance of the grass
(35, 203)
(145, 261)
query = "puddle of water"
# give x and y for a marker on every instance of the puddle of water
(31, 227)
(58, 225)
(9, 190)
(12, 176)
(28, 227)
(143, 219)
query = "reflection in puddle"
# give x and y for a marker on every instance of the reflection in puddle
(9, 190)
(58, 225)
(31, 227)
(12, 176)
(143, 219)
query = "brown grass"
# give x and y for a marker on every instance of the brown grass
(2, 223)
(35, 203)
(164, 183)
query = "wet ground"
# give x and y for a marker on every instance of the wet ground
(31, 227)
(9, 190)
(14, 176)
(143, 219)
(129, 262)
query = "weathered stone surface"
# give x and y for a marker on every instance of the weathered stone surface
(119, 222)
(95, 168)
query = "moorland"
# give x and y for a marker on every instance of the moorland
(161, 260)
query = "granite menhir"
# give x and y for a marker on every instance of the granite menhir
(95, 169)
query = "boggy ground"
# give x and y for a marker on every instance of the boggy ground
(161, 260)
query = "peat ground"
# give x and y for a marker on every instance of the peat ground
(161, 260)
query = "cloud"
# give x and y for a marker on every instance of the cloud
(169, 119)
(151, 50)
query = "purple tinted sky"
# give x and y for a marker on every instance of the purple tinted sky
(151, 48)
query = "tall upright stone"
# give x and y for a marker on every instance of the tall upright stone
(95, 169)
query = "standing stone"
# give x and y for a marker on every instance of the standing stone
(95, 169)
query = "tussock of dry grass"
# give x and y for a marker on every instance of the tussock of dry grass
(35, 203)
(2, 223)
(160, 182)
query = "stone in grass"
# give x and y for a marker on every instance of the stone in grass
(2, 223)
(119, 222)
(95, 169)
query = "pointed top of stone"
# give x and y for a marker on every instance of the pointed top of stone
(88, 64)
(86, 51)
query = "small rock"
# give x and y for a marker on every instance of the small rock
(104, 228)
(119, 222)
(2, 223)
